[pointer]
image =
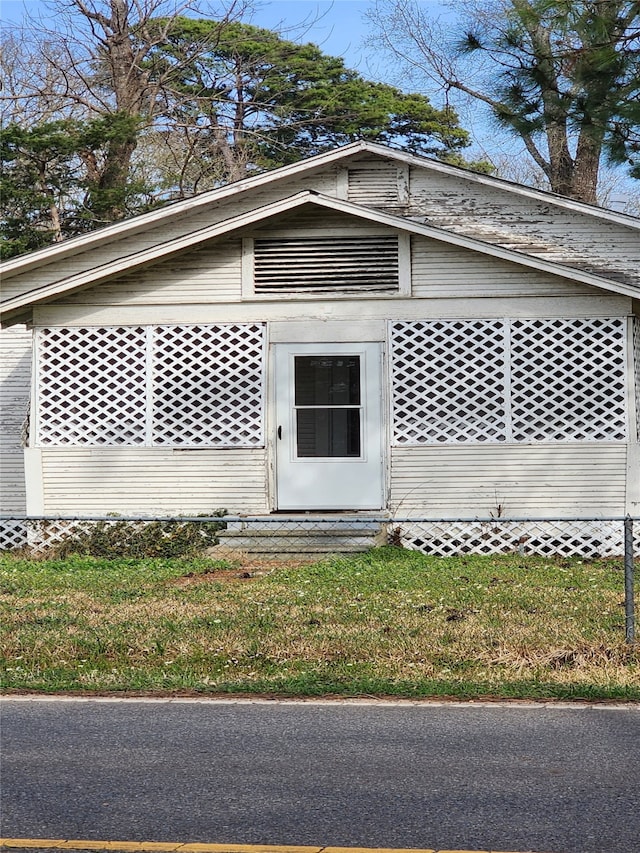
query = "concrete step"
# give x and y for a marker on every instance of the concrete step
(305, 540)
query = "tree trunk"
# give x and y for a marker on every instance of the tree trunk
(130, 84)
(575, 177)
(131, 92)
(586, 169)
(54, 213)
(560, 168)
(108, 200)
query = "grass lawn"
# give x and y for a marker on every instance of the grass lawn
(386, 623)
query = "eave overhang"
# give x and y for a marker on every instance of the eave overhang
(141, 223)
(49, 292)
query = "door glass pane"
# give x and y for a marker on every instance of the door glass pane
(328, 432)
(327, 380)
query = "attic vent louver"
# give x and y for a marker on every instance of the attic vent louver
(373, 186)
(326, 264)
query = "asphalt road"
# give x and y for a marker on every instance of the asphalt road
(478, 777)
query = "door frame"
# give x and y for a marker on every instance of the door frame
(371, 349)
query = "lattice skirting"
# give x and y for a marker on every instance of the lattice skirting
(13, 534)
(582, 538)
(36, 537)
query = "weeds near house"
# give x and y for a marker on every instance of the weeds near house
(390, 622)
(117, 538)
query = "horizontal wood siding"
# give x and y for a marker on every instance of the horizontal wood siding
(439, 270)
(15, 380)
(524, 224)
(517, 481)
(309, 220)
(314, 313)
(153, 480)
(320, 180)
(210, 274)
(213, 273)
(169, 229)
(489, 213)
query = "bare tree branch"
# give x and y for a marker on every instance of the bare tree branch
(563, 77)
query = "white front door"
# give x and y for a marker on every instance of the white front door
(329, 435)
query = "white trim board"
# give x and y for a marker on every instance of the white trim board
(150, 255)
(75, 245)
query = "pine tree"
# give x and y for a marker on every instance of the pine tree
(562, 76)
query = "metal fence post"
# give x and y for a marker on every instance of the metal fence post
(629, 581)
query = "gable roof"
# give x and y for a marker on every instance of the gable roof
(15, 305)
(45, 274)
(146, 220)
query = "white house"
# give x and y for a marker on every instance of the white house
(365, 330)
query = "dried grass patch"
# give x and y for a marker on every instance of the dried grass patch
(388, 622)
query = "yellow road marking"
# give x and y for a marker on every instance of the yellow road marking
(178, 847)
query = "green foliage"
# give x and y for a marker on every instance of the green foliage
(139, 539)
(40, 173)
(567, 73)
(106, 146)
(208, 102)
(269, 101)
(55, 182)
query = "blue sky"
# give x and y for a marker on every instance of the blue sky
(337, 26)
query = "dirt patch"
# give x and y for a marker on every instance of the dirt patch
(245, 571)
(213, 576)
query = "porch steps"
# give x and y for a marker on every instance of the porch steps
(306, 541)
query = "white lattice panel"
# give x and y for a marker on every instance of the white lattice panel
(448, 381)
(588, 538)
(91, 386)
(500, 380)
(35, 536)
(208, 385)
(168, 385)
(568, 380)
(13, 534)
